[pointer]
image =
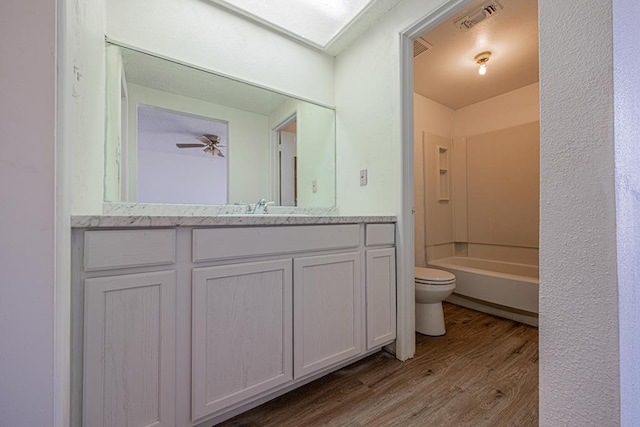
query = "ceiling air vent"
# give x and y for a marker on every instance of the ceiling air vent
(420, 46)
(477, 15)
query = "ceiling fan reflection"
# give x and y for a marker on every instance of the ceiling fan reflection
(211, 144)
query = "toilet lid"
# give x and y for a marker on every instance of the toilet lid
(432, 275)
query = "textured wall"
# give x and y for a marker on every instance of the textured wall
(27, 216)
(367, 90)
(579, 365)
(627, 133)
(81, 62)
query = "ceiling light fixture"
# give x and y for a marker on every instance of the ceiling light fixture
(481, 59)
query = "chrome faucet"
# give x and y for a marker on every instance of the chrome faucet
(259, 208)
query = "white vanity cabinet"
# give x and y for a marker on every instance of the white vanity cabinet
(241, 332)
(187, 326)
(327, 311)
(129, 329)
(380, 284)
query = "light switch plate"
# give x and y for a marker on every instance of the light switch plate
(363, 177)
(314, 186)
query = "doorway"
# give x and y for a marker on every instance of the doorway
(477, 154)
(406, 226)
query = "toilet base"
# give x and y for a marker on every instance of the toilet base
(430, 319)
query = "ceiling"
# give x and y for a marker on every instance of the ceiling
(447, 73)
(168, 76)
(328, 25)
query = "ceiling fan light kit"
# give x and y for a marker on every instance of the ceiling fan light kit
(209, 142)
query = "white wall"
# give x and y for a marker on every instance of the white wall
(115, 129)
(510, 109)
(626, 68)
(200, 33)
(83, 50)
(181, 179)
(28, 214)
(579, 358)
(316, 155)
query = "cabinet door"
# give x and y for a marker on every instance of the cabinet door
(241, 341)
(327, 311)
(129, 363)
(381, 297)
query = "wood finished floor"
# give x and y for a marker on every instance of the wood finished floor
(483, 372)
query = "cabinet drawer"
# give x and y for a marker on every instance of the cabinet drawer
(380, 234)
(109, 249)
(223, 243)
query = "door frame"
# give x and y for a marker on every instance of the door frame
(405, 344)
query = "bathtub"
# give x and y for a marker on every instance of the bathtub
(505, 284)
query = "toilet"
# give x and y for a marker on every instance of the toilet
(432, 287)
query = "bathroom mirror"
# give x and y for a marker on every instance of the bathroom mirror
(162, 117)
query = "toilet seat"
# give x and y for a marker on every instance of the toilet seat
(432, 276)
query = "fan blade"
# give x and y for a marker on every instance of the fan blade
(203, 139)
(189, 145)
(209, 139)
(212, 138)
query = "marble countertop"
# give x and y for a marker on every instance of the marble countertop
(119, 221)
(120, 214)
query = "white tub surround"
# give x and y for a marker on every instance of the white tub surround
(201, 318)
(503, 289)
